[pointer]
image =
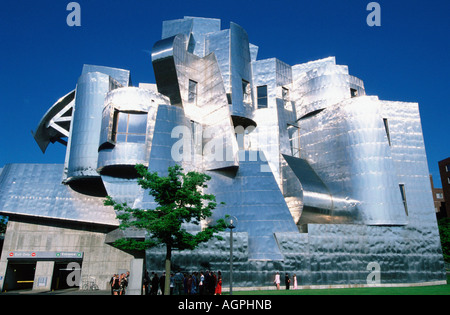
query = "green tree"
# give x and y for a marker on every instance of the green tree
(180, 200)
(3, 224)
(444, 232)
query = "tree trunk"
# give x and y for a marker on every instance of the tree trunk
(168, 265)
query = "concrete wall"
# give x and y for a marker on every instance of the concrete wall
(99, 259)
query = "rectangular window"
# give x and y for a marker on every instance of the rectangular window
(386, 128)
(294, 139)
(403, 193)
(353, 92)
(285, 94)
(246, 91)
(229, 100)
(129, 127)
(296, 143)
(197, 133)
(439, 196)
(262, 96)
(192, 98)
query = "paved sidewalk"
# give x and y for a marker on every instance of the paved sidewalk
(71, 291)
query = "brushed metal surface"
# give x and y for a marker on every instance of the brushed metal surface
(312, 167)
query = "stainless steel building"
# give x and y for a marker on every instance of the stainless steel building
(326, 182)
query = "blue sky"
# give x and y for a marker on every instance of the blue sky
(41, 57)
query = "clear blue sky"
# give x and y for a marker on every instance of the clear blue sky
(41, 57)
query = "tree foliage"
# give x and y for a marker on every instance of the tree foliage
(180, 200)
(3, 224)
(444, 232)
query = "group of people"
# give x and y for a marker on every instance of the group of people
(119, 283)
(196, 283)
(287, 281)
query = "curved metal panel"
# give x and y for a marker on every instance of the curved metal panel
(127, 100)
(87, 117)
(321, 84)
(164, 60)
(194, 28)
(348, 149)
(168, 147)
(122, 76)
(206, 104)
(316, 195)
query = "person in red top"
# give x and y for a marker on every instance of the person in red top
(219, 284)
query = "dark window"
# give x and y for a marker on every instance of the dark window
(285, 95)
(262, 96)
(192, 98)
(129, 127)
(229, 98)
(353, 92)
(386, 128)
(403, 193)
